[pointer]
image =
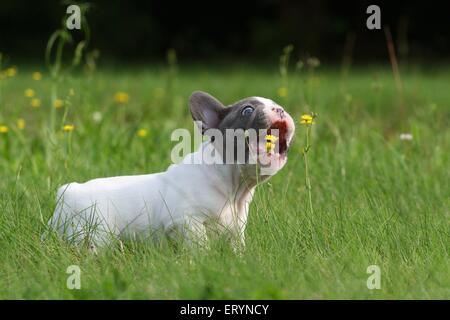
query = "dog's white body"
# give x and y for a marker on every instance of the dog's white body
(182, 198)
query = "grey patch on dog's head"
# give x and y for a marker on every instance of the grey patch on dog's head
(213, 114)
(236, 118)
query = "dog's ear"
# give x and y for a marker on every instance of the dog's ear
(207, 109)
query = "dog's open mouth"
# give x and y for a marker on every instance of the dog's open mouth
(279, 129)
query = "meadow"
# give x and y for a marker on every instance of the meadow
(378, 165)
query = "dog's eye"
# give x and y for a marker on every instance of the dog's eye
(248, 110)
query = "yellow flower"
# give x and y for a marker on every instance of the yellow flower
(306, 119)
(68, 128)
(142, 133)
(270, 142)
(36, 75)
(121, 97)
(271, 138)
(11, 72)
(21, 123)
(4, 129)
(270, 146)
(58, 103)
(35, 102)
(29, 93)
(282, 92)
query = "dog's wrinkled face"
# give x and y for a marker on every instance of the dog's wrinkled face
(260, 114)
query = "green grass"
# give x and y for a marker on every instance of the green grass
(377, 199)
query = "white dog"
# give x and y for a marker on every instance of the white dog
(188, 195)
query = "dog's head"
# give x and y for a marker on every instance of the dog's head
(245, 126)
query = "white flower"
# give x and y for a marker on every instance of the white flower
(97, 116)
(406, 136)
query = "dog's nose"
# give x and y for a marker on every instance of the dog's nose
(279, 111)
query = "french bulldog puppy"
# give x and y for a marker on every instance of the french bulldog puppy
(205, 187)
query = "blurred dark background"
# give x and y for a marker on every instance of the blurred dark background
(142, 31)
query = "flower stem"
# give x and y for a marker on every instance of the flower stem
(307, 180)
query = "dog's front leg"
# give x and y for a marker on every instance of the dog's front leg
(235, 227)
(238, 238)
